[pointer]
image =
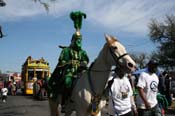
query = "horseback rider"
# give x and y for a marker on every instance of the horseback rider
(72, 61)
(75, 59)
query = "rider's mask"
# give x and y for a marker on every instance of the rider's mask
(76, 42)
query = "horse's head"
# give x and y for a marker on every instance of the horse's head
(119, 54)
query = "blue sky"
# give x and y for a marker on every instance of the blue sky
(32, 31)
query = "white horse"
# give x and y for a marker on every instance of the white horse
(89, 88)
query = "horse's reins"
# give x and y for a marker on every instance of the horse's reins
(95, 97)
(115, 58)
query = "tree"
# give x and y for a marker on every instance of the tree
(2, 4)
(163, 33)
(140, 59)
(1, 33)
(46, 5)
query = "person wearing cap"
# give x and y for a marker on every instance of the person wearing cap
(121, 101)
(167, 84)
(146, 100)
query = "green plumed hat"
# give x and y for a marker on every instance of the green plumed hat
(77, 18)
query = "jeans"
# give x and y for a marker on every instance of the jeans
(127, 114)
(155, 111)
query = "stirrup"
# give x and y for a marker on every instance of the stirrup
(94, 109)
(95, 105)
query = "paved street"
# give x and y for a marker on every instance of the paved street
(27, 106)
(23, 106)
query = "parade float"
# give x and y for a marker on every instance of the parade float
(34, 75)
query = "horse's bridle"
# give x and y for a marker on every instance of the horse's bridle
(115, 58)
(118, 65)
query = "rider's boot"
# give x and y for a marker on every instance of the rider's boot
(65, 98)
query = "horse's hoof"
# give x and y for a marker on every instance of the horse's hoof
(63, 109)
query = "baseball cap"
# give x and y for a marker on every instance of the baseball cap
(154, 62)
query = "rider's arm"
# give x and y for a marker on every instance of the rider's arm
(64, 56)
(85, 58)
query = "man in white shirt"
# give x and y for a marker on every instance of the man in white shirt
(148, 88)
(121, 100)
(4, 92)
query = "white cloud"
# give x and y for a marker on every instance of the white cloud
(123, 15)
(132, 15)
(17, 9)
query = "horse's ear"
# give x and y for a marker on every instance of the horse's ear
(109, 39)
(106, 36)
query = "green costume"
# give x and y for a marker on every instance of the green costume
(73, 58)
(72, 61)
